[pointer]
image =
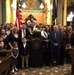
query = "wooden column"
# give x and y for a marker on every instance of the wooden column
(14, 13)
(45, 10)
(65, 13)
(8, 11)
(48, 13)
(59, 11)
(0, 11)
(11, 12)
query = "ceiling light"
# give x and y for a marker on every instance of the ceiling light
(41, 6)
(13, 5)
(24, 5)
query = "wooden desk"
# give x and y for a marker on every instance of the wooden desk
(72, 60)
(5, 62)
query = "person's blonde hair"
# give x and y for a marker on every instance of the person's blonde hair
(14, 30)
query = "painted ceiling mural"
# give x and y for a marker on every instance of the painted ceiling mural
(33, 4)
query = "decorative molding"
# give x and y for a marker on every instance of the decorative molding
(4, 1)
(70, 3)
(45, 6)
(31, 4)
(32, 11)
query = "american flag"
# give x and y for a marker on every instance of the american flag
(18, 16)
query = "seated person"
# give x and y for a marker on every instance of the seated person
(1, 43)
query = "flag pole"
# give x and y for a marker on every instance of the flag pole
(17, 23)
(55, 21)
(54, 13)
(17, 1)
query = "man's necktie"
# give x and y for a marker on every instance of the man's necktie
(24, 33)
(55, 35)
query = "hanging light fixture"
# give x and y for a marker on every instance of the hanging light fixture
(24, 5)
(46, 1)
(50, 7)
(41, 6)
(70, 16)
(13, 5)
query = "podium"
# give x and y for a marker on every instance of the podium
(36, 53)
(5, 56)
(72, 60)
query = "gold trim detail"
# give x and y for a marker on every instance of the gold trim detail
(31, 4)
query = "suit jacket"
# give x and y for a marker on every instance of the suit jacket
(25, 51)
(52, 38)
(27, 34)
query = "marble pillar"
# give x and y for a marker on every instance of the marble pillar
(8, 11)
(59, 12)
(0, 11)
(65, 13)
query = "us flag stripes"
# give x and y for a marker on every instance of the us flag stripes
(18, 16)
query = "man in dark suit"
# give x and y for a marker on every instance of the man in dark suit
(24, 32)
(55, 38)
(8, 29)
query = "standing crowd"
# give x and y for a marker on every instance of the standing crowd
(57, 39)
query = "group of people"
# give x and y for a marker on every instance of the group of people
(56, 40)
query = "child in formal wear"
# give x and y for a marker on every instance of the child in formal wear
(25, 51)
(14, 58)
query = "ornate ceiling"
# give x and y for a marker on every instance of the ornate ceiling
(70, 3)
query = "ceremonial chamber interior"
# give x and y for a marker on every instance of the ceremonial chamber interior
(36, 37)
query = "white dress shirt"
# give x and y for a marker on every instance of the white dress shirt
(44, 34)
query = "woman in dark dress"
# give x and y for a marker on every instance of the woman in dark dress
(63, 45)
(70, 43)
(14, 36)
(70, 38)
